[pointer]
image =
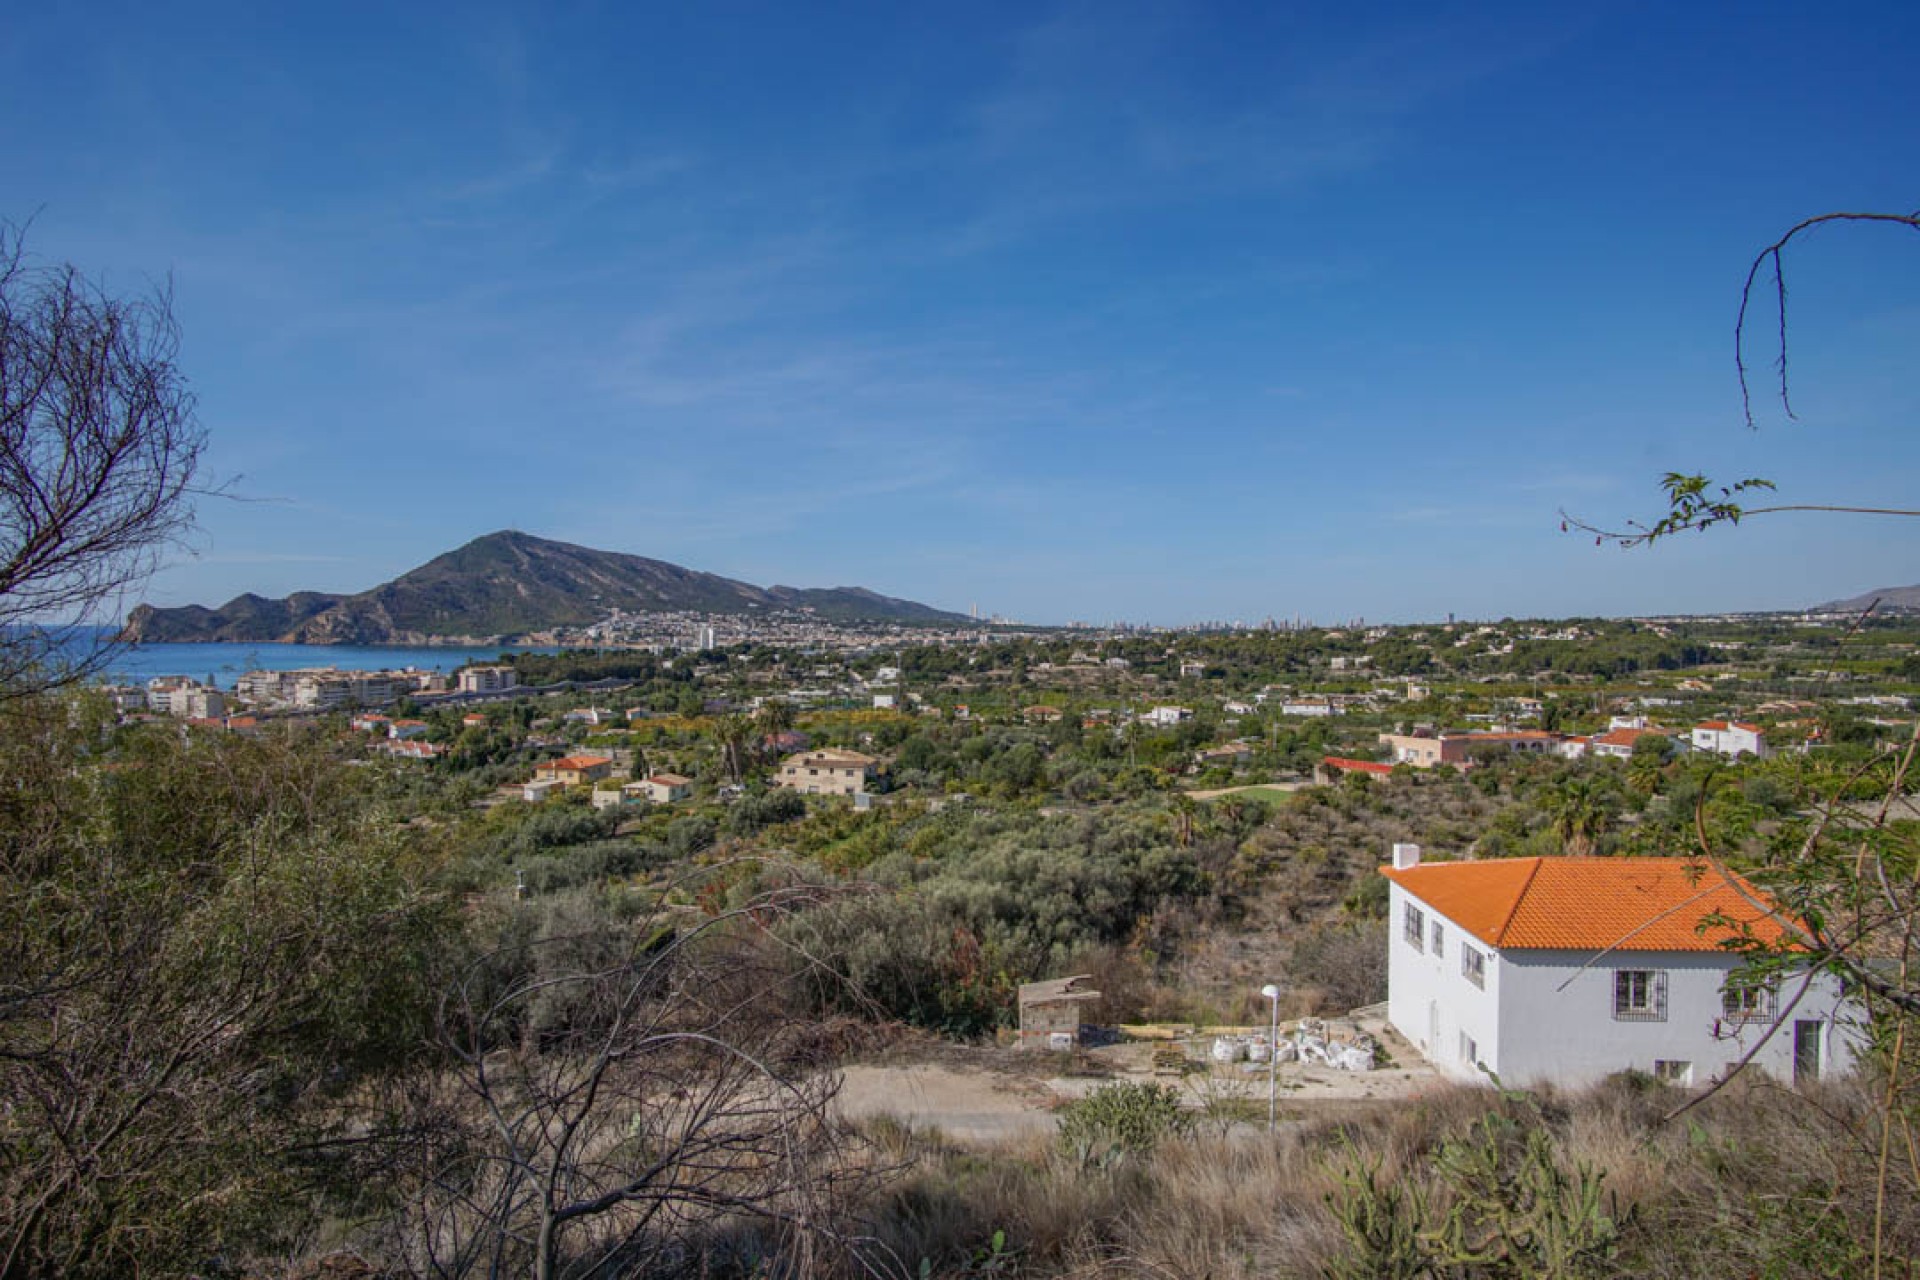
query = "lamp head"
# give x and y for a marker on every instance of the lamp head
(1270, 991)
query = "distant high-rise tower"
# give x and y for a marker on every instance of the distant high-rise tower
(704, 638)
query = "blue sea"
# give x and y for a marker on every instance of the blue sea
(221, 664)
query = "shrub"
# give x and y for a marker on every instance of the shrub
(1121, 1120)
(1510, 1209)
(765, 810)
(1349, 961)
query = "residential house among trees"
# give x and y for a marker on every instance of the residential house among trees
(1566, 970)
(828, 772)
(1424, 752)
(1729, 738)
(573, 771)
(1233, 755)
(1620, 742)
(663, 788)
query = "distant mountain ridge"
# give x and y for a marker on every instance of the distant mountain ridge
(505, 585)
(1889, 598)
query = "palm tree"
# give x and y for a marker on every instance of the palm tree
(1233, 808)
(1580, 815)
(1184, 810)
(735, 733)
(774, 718)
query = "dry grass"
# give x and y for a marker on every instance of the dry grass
(1758, 1181)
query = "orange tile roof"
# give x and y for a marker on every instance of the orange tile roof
(1626, 737)
(1586, 904)
(576, 763)
(1505, 735)
(1357, 766)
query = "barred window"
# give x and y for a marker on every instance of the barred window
(1747, 1003)
(1439, 939)
(1416, 927)
(1473, 964)
(1639, 995)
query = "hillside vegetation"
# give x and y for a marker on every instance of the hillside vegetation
(273, 997)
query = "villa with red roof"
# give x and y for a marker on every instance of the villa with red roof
(1424, 751)
(1566, 970)
(1619, 743)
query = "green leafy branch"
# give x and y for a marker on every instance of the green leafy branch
(1695, 502)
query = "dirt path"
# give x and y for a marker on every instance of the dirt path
(991, 1103)
(966, 1105)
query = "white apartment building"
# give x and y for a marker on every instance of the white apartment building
(487, 679)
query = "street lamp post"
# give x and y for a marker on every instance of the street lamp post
(1272, 993)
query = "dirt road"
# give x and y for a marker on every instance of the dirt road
(988, 1096)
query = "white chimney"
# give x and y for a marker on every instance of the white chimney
(1405, 855)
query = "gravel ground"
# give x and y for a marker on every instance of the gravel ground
(989, 1095)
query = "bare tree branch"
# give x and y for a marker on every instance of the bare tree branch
(631, 1096)
(1697, 503)
(1772, 256)
(99, 450)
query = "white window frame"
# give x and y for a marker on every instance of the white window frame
(1744, 1004)
(1473, 965)
(1639, 995)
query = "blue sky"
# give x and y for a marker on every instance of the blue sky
(1082, 311)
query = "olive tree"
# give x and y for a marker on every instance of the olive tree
(207, 945)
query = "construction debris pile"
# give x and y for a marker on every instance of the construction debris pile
(1310, 1043)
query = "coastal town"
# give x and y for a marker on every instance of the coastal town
(1463, 704)
(1042, 642)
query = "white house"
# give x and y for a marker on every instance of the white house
(1619, 743)
(1729, 738)
(540, 788)
(1570, 969)
(665, 788)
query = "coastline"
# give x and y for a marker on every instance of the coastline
(220, 662)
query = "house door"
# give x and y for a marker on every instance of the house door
(1806, 1051)
(1433, 1028)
